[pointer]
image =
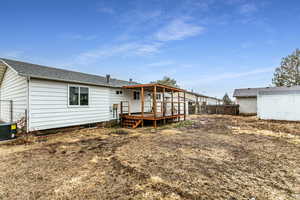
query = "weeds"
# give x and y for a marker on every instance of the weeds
(184, 124)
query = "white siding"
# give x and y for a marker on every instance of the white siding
(247, 105)
(279, 107)
(127, 95)
(13, 87)
(49, 106)
(116, 99)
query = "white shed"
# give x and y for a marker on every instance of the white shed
(279, 104)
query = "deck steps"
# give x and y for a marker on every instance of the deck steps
(131, 123)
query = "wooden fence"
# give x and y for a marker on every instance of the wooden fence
(220, 109)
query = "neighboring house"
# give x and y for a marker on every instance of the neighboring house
(247, 99)
(278, 103)
(195, 100)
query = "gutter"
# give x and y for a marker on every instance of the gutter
(67, 81)
(28, 105)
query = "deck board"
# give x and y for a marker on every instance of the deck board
(150, 116)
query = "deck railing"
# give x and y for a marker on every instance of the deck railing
(125, 107)
(165, 108)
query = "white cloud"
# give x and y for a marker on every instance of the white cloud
(247, 8)
(122, 50)
(106, 10)
(161, 63)
(230, 75)
(178, 29)
(73, 36)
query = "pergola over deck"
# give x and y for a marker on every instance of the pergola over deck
(169, 110)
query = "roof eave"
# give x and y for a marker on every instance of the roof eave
(62, 80)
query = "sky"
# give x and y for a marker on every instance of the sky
(208, 46)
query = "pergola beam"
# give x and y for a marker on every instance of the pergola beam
(150, 86)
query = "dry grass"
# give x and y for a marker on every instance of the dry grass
(210, 157)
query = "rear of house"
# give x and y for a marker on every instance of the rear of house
(46, 98)
(40, 97)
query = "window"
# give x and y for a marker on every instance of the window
(73, 96)
(84, 96)
(158, 96)
(78, 96)
(136, 95)
(119, 92)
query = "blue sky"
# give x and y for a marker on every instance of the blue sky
(210, 46)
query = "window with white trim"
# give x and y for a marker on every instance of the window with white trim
(78, 96)
(136, 95)
(119, 92)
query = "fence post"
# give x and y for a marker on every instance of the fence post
(11, 111)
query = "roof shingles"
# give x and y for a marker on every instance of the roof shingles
(51, 73)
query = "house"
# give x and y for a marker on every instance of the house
(246, 98)
(196, 100)
(278, 103)
(45, 97)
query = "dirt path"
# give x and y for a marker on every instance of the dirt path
(215, 157)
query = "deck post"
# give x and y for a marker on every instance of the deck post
(154, 106)
(163, 105)
(197, 106)
(184, 109)
(129, 108)
(121, 110)
(178, 113)
(142, 104)
(172, 103)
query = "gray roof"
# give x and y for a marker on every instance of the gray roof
(252, 92)
(201, 95)
(51, 73)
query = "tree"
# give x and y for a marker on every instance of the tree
(167, 81)
(288, 74)
(226, 99)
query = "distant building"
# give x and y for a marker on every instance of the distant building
(278, 103)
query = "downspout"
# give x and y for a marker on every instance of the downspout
(28, 103)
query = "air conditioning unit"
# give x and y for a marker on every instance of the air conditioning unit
(8, 131)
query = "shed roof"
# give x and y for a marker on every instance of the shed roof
(51, 73)
(252, 92)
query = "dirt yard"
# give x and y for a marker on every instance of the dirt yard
(208, 158)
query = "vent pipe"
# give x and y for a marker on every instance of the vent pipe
(107, 78)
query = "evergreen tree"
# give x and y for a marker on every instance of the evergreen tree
(227, 100)
(167, 81)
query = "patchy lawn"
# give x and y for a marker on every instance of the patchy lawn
(213, 157)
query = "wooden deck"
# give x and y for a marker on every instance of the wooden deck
(160, 111)
(137, 119)
(150, 116)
